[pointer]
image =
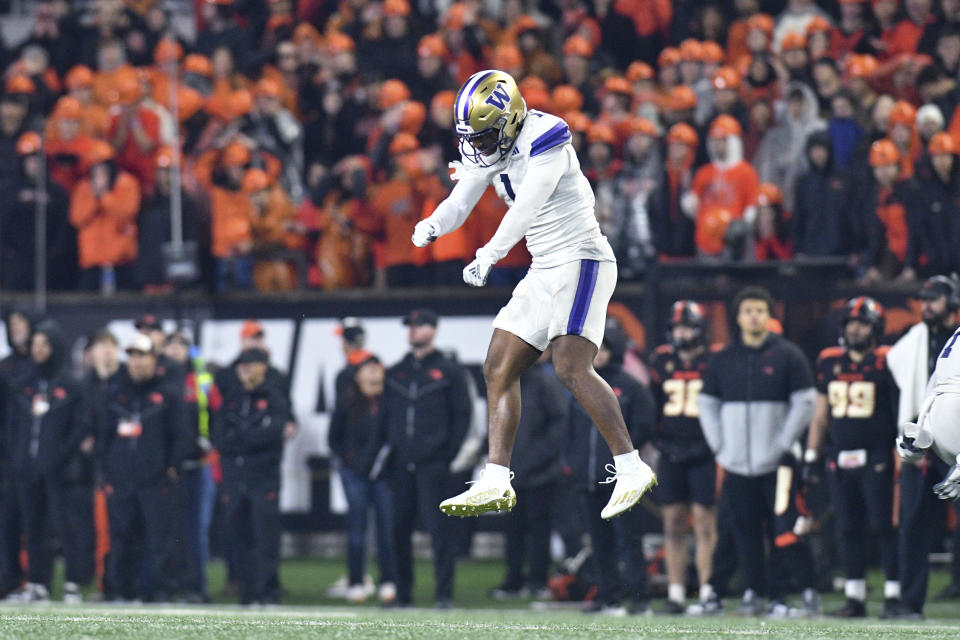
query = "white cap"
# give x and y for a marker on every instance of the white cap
(930, 112)
(140, 343)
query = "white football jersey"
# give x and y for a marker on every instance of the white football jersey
(565, 227)
(947, 370)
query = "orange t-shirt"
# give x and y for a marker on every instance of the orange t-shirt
(734, 188)
(893, 217)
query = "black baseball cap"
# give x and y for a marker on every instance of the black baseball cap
(936, 287)
(616, 341)
(253, 354)
(350, 329)
(148, 322)
(419, 317)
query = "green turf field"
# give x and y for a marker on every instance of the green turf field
(307, 613)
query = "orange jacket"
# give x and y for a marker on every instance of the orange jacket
(737, 41)
(649, 16)
(483, 223)
(905, 36)
(270, 226)
(66, 160)
(106, 226)
(459, 244)
(396, 207)
(734, 188)
(230, 214)
(341, 255)
(893, 217)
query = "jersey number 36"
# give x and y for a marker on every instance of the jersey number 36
(851, 399)
(682, 398)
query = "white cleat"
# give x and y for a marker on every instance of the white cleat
(631, 486)
(482, 496)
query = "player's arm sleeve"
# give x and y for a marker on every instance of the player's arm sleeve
(709, 405)
(454, 210)
(543, 174)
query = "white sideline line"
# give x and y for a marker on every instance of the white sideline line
(107, 611)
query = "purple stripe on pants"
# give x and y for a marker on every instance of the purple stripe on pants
(581, 300)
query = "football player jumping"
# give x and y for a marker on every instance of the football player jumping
(561, 302)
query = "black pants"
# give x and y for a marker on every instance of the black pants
(617, 550)
(74, 515)
(10, 523)
(752, 502)
(134, 512)
(528, 537)
(253, 521)
(863, 498)
(919, 510)
(36, 505)
(724, 563)
(418, 493)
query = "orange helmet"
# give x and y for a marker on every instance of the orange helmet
(339, 42)
(396, 8)
(20, 84)
(442, 100)
(669, 57)
(392, 93)
(691, 50)
(198, 64)
(578, 121)
(760, 22)
(903, 113)
(642, 126)
(819, 24)
(403, 143)
(507, 56)
(412, 116)
(98, 152)
(235, 154)
(711, 229)
(860, 66)
(793, 40)
(884, 152)
(726, 78)
(254, 180)
(163, 158)
(455, 17)
(639, 70)
(683, 134)
(167, 50)
(189, 102)
(431, 45)
(537, 98)
(566, 98)
(769, 195)
(79, 77)
(618, 84)
(126, 88)
(577, 45)
(269, 87)
(681, 98)
(241, 103)
(68, 108)
(941, 142)
(28, 143)
(724, 126)
(599, 132)
(711, 52)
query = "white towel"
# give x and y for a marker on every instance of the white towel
(908, 365)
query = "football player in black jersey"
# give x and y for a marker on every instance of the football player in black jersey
(856, 425)
(687, 472)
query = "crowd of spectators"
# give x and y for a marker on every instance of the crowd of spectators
(310, 137)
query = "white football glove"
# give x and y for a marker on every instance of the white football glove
(949, 489)
(424, 233)
(475, 274)
(907, 450)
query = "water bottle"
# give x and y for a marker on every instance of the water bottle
(108, 280)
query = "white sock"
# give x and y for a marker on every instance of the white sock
(891, 589)
(628, 462)
(496, 473)
(706, 591)
(855, 590)
(676, 593)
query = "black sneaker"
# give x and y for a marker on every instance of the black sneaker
(713, 606)
(639, 608)
(852, 609)
(894, 609)
(673, 608)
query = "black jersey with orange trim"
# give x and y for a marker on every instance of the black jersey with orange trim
(863, 399)
(676, 387)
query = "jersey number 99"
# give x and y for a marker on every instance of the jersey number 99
(852, 399)
(682, 398)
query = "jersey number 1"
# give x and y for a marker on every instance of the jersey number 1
(505, 179)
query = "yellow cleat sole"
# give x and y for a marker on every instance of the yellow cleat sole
(646, 489)
(470, 510)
